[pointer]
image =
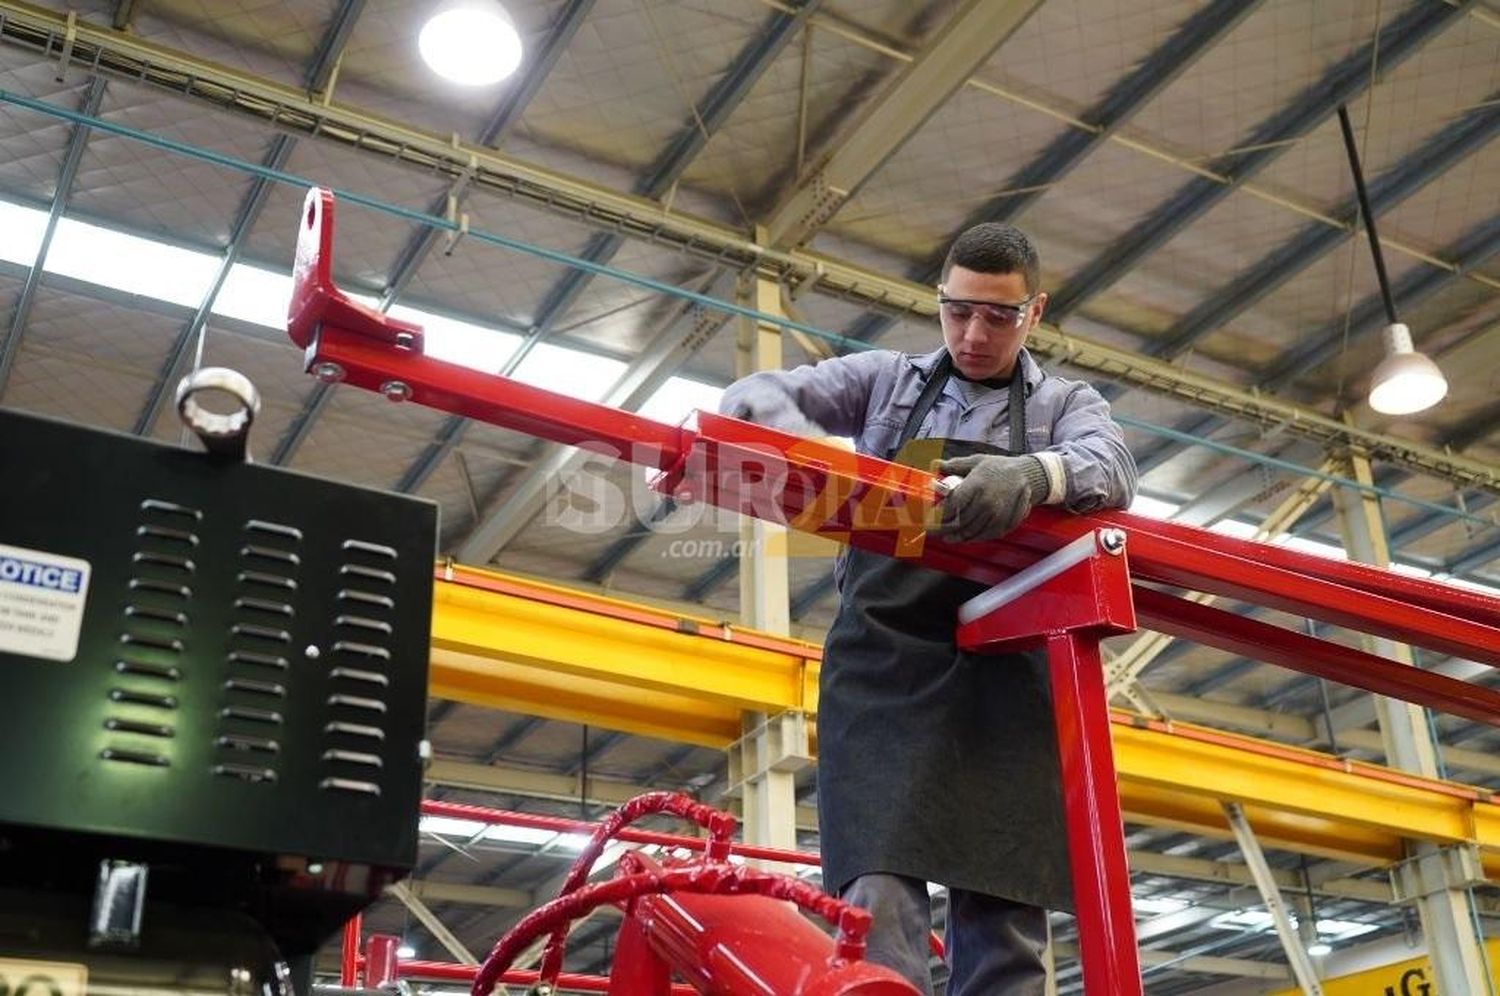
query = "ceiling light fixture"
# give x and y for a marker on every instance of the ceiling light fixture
(1319, 948)
(1406, 381)
(471, 42)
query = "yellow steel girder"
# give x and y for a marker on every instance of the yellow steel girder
(544, 650)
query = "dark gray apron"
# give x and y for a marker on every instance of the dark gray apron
(932, 762)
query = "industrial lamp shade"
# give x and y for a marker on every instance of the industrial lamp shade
(470, 42)
(1406, 381)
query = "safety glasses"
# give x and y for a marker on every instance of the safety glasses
(992, 314)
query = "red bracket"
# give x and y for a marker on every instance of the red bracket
(317, 301)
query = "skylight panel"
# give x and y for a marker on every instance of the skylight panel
(464, 343)
(130, 263)
(1156, 905)
(21, 231)
(569, 371)
(255, 295)
(447, 826)
(1152, 508)
(679, 397)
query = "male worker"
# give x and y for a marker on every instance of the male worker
(937, 765)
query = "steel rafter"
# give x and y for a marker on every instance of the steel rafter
(244, 221)
(319, 72)
(642, 378)
(626, 544)
(113, 53)
(417, 249)
(1472, 249)
(421, 243)
(301, 427)
(726, 95)
(1471, 561)
(77, 142)
(1396, 42)
(331, 46)
(1024, 187)
(809, 596)
(123, 15)
(964, 42)
(1154, 74)
(602, 247)
(1436, 155)
(704, 584)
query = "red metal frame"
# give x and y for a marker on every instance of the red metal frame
(883, 507)
(1069, 614)
(349, 954)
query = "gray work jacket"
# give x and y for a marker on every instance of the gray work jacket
(868, 396)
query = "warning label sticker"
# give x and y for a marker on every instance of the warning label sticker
(41, 603)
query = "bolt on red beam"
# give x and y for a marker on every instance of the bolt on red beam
(559, 824)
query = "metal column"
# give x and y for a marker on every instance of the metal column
(435, 927)
(1444, 905)
(1270, 893)
(766, 757)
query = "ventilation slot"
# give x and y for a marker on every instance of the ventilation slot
(359, 673)
(148, 668)
(246, 740)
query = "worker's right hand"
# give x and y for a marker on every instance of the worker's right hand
(772, 409)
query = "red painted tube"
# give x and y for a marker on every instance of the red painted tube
(1096, 844)
(349, 962)
(380, 960)
(559, 824)
(1277, 645)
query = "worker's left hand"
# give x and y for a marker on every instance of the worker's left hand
(994, 496)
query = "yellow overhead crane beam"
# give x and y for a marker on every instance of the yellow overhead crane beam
(516, 644)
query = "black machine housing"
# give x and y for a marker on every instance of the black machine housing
(242, 714)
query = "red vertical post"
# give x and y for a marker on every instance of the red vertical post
(349, 966)
(1096, 840)
(380, 960)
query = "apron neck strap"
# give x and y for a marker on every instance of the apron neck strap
(934, 386)
(930, 391)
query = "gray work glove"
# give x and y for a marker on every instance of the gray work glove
(769, 407)
(994, 496)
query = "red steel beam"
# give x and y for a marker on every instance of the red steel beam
(883, 506)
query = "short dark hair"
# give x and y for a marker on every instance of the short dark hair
(995, 248)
